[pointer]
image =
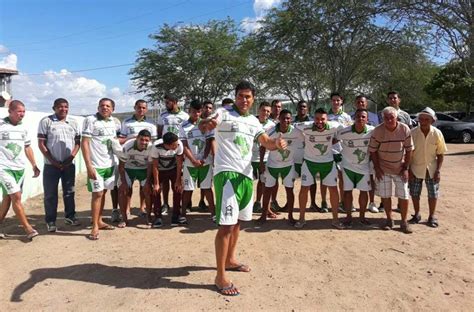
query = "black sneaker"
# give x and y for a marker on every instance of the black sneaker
(179, 221)
(158, 223)
(164, 209)
(388, 225)
(51, 226)
(72, 221)
(415, 219)
(202, 206)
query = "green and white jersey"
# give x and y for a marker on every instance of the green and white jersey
(267, 125)
(102, 132)
(133, 157)
(13, 140)
(171, 121)
(355, 148)
(344, 120)
(284, 158)
(166, 157)
(299, 151)
(190, 132)
(60, 136)
(235, 136)
(131, 126)
(318, 145)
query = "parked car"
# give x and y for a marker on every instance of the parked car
(454, 129)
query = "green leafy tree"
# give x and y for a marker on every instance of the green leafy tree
(195, 61)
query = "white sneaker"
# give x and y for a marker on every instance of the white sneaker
(373, 208)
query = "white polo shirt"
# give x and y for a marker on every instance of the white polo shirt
(171, 121)
(13, 140)
(61, 136)
(355, 148)
(318, 145)
(131, 127)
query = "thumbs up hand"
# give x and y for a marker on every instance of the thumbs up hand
(281, 143)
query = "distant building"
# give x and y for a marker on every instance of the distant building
(5, 84)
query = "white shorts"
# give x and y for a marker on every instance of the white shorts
(11, 181)
(353, 180)
(327, 172)
(197, 177)
(383, 188)
(287, 174)
(106, 178)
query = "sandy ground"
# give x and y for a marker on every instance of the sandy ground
(315, 268)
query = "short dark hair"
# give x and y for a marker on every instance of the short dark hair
(393, 92)
(205, 102)
(196, 104)
(227, 101)
(359, 110)
(59, 101)
(274, 102)
(245, 85)
(144, 133)
(321, 111)
(14, 104)
(360, 96)
(107, 99)
(170, 138)
(284, 112)
(138, 102)
(336, 94)
(264, 103)
(301, 102)
(171, 97)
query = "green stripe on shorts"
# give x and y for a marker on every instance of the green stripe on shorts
(199, 173)
(242, 185)
(105, 173)
(16, 174)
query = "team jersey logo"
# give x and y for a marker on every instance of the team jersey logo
(284, 154)
(199, 144)
(360, 155)
(322, 148)
(13, 149)
(173, 129)
(242, 144)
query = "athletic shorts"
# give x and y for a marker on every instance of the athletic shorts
(287, 174)
(353, 180)
(383, 188)
(132, 175)
(234, 192)
(11, 181)
(197, 177)
(327, 173)
(431, 186)
(298, 170)
(105, 180)
(255, 171)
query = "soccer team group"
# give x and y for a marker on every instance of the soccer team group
(226, 149)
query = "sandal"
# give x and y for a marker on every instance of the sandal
(433, 222)
(239, 268)
(107, 227)
(32, 234)
(93, 237)
(122, 225)
(230, 290)
(337, 225)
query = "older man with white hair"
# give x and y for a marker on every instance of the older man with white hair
(426, 163)
(390, 148)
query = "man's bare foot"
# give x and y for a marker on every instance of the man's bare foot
(238, 268)
(262, 220)
(227, 288)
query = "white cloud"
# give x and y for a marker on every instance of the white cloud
(260, 7)
(8, 61)
(39, 91)
(3, 49)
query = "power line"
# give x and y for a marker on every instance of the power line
(81, 70)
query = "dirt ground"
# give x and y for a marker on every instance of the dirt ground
(315, 268)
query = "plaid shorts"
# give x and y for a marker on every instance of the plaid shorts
(431, 186)
(384, 187)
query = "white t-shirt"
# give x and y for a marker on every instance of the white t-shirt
(102, 132)
(61, 136)
(235, 136)
(133, 157)
(131, 126)
(171, 121)
(256, 147)
(13, 140)
(318, 145)
(166, 158)
(355, 153)
(196, 141)
(284, 158)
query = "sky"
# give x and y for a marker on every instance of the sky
(82, 50)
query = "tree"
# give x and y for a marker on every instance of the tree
(195, 61)
(451, 84)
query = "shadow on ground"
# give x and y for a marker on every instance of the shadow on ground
(118, 277)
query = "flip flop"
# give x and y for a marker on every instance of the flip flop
(122, 225)
(272, 216)
(32, 234)
(226, 291)
(239, 268)
(433, 222)
(337, 226)
(93, 237)
(107, 227)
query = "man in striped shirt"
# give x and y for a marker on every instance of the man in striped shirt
(390, 148)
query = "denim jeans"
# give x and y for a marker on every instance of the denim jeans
(51, 176)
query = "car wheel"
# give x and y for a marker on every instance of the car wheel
(466, 136)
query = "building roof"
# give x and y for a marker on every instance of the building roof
(8, 71)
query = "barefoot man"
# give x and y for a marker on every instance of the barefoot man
(236, 132)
